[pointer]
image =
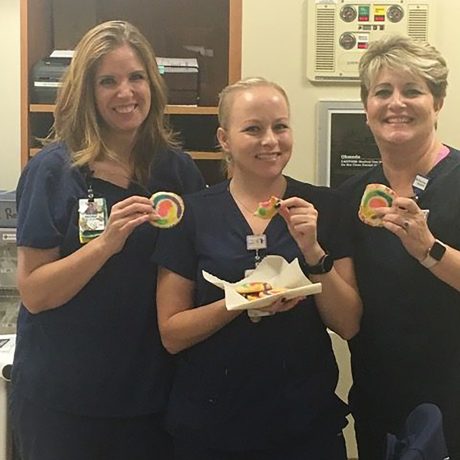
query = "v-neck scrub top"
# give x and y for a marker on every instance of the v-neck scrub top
(99, 353)
(408, 348)
(252, 385)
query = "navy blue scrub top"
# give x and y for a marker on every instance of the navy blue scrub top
(408, 348)
(100, 353)
(251, 385)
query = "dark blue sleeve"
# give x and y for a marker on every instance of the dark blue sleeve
(175, 248)
(335, 224)
(175, 171)
(192, 177)
(341, 244)
(38, 202)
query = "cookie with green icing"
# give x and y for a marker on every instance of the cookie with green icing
(169, 207)
(267, 209)
(375, 196)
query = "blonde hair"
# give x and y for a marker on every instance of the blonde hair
(77, 122)
(226, 95)
(398, 52)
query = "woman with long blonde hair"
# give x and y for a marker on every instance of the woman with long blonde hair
(90, 377)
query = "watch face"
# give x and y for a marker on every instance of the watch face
(324, 266)
(328, 263)
(437, 251)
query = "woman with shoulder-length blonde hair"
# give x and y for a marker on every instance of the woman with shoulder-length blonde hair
(90, 378)
(77, 120)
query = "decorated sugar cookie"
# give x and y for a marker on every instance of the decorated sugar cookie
(257, 289)
(253, 287)
(267, 209)
(169, 207)
(375, 196)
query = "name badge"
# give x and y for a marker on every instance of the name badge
(92, 218)
(419, 185)
(256, 242)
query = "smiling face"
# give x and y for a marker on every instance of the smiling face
(258, 135)
(122, 92)
(401, 109)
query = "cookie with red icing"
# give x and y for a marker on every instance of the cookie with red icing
(169, 207)
(375, 196)
(253, 287)
(267, 209)
(255, 290)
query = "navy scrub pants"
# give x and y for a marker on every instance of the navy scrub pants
(328, 447)
(43, 434)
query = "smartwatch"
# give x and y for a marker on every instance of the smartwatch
(434, 254)
(323, 266)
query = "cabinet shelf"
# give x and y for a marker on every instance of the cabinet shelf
(208, 30)
(170, 109)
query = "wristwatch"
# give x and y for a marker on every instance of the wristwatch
(434, 254)
(324, 265)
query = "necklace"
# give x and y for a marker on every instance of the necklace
(256, 241)
(240, 202)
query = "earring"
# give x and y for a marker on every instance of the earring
(228, 158)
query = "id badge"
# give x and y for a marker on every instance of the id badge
(256, 242)
(419, 185)
(92, 218)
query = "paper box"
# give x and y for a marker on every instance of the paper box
(274, 270)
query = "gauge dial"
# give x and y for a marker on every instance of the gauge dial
(347, 41)
(348, 13)
(395, 13)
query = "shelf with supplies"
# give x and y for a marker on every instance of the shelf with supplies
(205, 33)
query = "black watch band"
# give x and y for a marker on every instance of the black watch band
(324, 265)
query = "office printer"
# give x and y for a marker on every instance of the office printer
(46, 76)
(181, 76)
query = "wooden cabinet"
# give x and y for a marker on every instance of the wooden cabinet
(208, 30)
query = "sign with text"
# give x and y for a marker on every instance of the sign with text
(346, 145)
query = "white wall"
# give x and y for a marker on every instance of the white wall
(274, 47)
(10, 93)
